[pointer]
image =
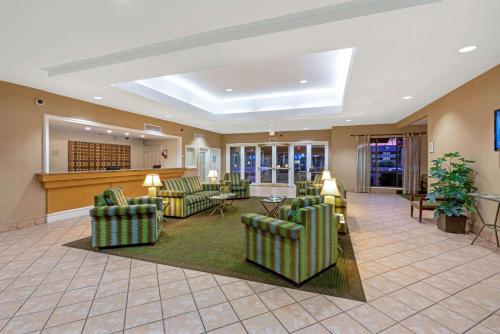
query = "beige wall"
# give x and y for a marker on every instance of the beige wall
(171, 145)
(58, 147)
(343, 147)
(463, 121)
(22, 199)
(261, 137)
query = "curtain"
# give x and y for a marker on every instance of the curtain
(411, 163)
(363, 162)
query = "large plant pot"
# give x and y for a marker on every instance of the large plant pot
(452, 224)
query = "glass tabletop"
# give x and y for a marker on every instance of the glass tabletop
(223, 196)
(274, 199)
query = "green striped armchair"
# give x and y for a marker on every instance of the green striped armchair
(300, 245)
(309, 188)
(120, 221)
(187, 195)
(235, 184)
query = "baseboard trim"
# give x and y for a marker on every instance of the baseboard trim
(68, 214)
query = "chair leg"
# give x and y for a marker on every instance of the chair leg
(420, 215)
(411, 211)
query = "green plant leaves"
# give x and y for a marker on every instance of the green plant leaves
(453, 185)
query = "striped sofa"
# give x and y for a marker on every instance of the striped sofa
(235, 184)
(299, 245)
(120, 221)
(187, 195)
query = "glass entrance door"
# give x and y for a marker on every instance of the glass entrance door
(317, 160)
(281, 164)
(266, 164)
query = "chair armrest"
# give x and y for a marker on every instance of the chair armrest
(419, 196)
(211, 186)
(303, 184)
(244, 183)
(285, 212)
(171, 193)
(272, 225)
(120, 211)
(158, 201)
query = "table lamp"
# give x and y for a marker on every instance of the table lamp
(213, 175)
(152, 181)
(326, 175)
(330, 190)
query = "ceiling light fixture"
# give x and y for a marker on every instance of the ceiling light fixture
(306, 128)
(109, 131)
(142, 136)
(467, 49)
(98, 97)
(303, 81)
(348, 120)
(168, 116)
(229, 89)
(127, 133)
(408, 97)
(87, 128)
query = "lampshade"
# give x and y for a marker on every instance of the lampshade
(326, 175)
(213, 173)
(330, 188)
(152, 180)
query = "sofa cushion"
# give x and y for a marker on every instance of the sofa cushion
(174, 184)
(238, 188)
(207, 193)
(195, 198)
(234, 178)
(426, 205)
(192, 184)
(114, 196)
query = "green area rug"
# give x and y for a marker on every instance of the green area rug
(214, 244)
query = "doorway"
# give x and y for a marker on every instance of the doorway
(277, 163)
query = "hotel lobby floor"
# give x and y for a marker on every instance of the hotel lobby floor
(416, 279)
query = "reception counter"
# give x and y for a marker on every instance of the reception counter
(67, 191)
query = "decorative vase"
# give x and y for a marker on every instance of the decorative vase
(452, 224)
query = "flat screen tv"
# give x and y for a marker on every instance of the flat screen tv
(497, 130)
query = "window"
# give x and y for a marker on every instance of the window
(386, 166)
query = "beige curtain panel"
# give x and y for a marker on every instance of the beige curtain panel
(411, 163)
(364, 164)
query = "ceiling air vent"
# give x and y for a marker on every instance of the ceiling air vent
(152, 128)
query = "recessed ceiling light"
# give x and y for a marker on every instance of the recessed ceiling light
(142, 136)
(98, 97)
(306, 128)
(168, 116)
(407, 97)
(467, 49)
(303, 81)
(109, 131)
(348, 120)
(229, 89)
(87, 128)
(127, 133)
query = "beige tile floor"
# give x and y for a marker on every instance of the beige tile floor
(416, 278)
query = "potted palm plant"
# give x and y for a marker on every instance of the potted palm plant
(452, 190)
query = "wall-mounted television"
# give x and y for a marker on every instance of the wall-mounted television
(497, 130)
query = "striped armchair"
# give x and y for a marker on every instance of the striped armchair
(187, 195)
(235, 184)
(309, 188)
(300, 245)
(120, 221)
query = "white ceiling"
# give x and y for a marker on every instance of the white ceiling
(89, 45)
(272, 87)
